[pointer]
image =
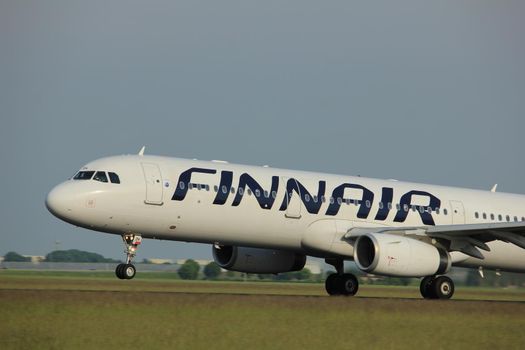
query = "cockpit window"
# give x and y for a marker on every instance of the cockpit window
(100, 176)
(114, 178)
(84, 175)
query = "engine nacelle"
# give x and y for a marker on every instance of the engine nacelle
(392, 255)
(257, 260)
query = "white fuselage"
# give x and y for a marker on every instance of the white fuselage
(229, 204)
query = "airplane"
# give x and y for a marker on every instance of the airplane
(263, 220)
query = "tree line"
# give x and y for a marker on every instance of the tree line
(190, 270)
(71, 255)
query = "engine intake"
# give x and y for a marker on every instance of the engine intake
(257, 260)
(393, 255)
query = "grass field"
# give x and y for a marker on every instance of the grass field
(93, 311)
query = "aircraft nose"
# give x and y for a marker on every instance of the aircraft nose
(59, 201)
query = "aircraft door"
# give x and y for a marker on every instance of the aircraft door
(293, 208)
(153, 180)
(458, 212)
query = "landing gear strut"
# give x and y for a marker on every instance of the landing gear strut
(433, 287)
(340, 283)
(127, 271)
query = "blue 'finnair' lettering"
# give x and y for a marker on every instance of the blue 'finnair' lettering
(312, 202)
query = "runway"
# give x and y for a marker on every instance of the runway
(101, 312)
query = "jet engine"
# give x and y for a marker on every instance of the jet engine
(257, 260)
(393, 255)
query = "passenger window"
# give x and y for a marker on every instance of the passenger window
(274, 194)
(476, 215)
(181, 185)
(266, 194)
(339, 200)
(445, 212)
(241, 191)
(257, 193)
(485, 216)
(421, 210)
(437, 211)
(515, 219)
(113, 177)
(500, 218)
(323, 199)
(84, 175)
(405, 208)
(332, 200)
(232, 190)
(389, 206)
(368, 204)
(224, 189)
(508, 218)
(207, 187)
(306, 198)
(100, 176)
(249, 192)
(491, 216)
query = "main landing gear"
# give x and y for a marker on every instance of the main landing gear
(433, 287)
(127, 271)
(340, 283)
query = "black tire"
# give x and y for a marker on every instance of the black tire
(349, 284)
(128, 271)
(332, 284)
(443, 287)
(119, 271)
(426, 288)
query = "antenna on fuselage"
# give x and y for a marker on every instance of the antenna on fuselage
(141, 152)
(494, 188)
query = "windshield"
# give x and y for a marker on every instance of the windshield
(84, 175)
(101, 176)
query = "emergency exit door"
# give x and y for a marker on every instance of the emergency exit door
(153, 180)
(458, 212)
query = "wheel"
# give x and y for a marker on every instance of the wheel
(348, 284)
(332, 284)
(129, 271)
(119, 271)
(443, 287)
(426, 287)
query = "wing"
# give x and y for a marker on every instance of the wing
(468, 239)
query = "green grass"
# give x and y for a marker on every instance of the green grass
(85, 311)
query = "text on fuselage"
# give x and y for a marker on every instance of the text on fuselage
(312, 202)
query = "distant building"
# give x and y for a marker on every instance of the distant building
(159, 261)
(36, 259)
(315, 267)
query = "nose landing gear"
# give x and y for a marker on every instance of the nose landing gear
(127, 271)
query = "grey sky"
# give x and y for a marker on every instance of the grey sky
(428, 91)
